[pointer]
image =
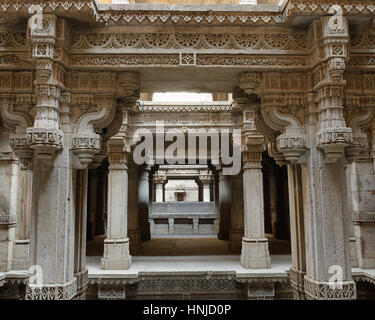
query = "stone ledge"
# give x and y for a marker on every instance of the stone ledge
(191, 7)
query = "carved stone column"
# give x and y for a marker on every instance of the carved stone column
(100, 225)
(133, 210)
(362, 180)
(254, 253)
(297, 231)
(9, 168)
(206, 178)
(80, 269)
(224, 205)
(92, 203)
(144, 202)
(116, 244)
(159, 181)
(21, 251)
(273, 203)
(326, 213)
(237, 214)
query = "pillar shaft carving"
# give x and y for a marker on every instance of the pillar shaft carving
(254, 253)
(116, 245)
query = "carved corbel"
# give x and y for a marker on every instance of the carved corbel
(291, 142)
(85, 143)
(249, 82)
(19, 121)
(128, 82)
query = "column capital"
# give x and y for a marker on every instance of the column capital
(252, 160)
(118, 156)
(159, 179)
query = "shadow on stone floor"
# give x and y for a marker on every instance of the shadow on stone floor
(186, 246)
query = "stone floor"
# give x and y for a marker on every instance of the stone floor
(280, 264)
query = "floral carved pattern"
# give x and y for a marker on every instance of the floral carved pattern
(284, 41)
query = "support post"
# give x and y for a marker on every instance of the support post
(116, 245)
(133, 218)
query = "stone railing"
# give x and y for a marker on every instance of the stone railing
(183, 209)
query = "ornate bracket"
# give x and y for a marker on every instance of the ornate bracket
(291, 142)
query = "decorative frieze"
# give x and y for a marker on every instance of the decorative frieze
(329, 291)
(200, 60)
(65, 291)
(12, 39)
(82, 42)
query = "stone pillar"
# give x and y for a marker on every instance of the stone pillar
(21, 253)
(53, 232)
(195, 224)
(171, 225)
(254, 253)
(134, 231)
(326, 222)
(237, 214)
(205, 177)
(363, 186)
(351, 196)
(9, 168)
(272, 196)
(101, 222)
(297, 231)
(144, 203)
(92, 203)
(80, 270)
(224, 205)
(159, 187)
(206, 192)
(326, 212)
(116, 245)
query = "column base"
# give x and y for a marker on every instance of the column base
(21, 257)
(56, 291)
(135, 243)
(322, 290)
(254, 254)
(116, 254)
